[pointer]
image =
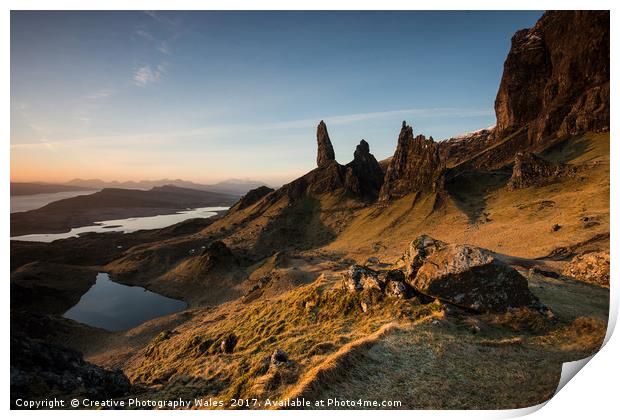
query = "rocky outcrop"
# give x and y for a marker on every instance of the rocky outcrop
(364, 175)
(391, 282)
(253, 196)
(217, 255)
(361, 178)
(590, 268)
(415, 167)
(556, 77)
(466, 276)
(41, 370)
(325, 154)
(530, 170)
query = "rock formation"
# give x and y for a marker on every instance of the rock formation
(40, 370)
(531, 170)
(253, 196)
(364, 174)
(391, 282)
(556, 77)
(325, 154)
(415, 166)
(216, 256)
(361, 178)
(466, 276)
(593, 268)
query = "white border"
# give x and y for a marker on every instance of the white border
(592, 395)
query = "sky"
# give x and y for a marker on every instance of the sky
(208, 96)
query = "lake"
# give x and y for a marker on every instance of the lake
(116, 307)
(36, 201)
(131, 224)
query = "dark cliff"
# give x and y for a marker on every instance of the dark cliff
(556, 77)
(415, 166)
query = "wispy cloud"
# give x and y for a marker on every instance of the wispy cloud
(146, 75)
(224, 131)
(161, 18)
(347, 119)
(164, 48)
(101, 93)
(143, 33)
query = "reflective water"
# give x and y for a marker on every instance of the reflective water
(126, 225)
(116, 307)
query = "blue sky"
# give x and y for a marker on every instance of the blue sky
(207, 96)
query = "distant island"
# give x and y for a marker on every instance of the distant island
(113, 203)
(30, 188)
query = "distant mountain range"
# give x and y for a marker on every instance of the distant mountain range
(236, 187)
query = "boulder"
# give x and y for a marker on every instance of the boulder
(228, 343)
(472, 278)
(358, 278)
(591, 268)
(278, 358)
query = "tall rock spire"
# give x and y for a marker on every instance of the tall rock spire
(325, 153)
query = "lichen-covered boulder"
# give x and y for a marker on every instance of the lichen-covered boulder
(472, 278)
(590, 268)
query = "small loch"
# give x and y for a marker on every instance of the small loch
(117, 307)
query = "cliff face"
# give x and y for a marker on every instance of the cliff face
(556, 77)
(415, 166)
(458, 149)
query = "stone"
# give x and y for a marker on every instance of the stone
(396, 289)
(358, 278)
(228, 343)
(593, 267)
(472, 278)
(279, 357)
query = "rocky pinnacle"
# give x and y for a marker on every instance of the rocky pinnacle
(325, 153)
